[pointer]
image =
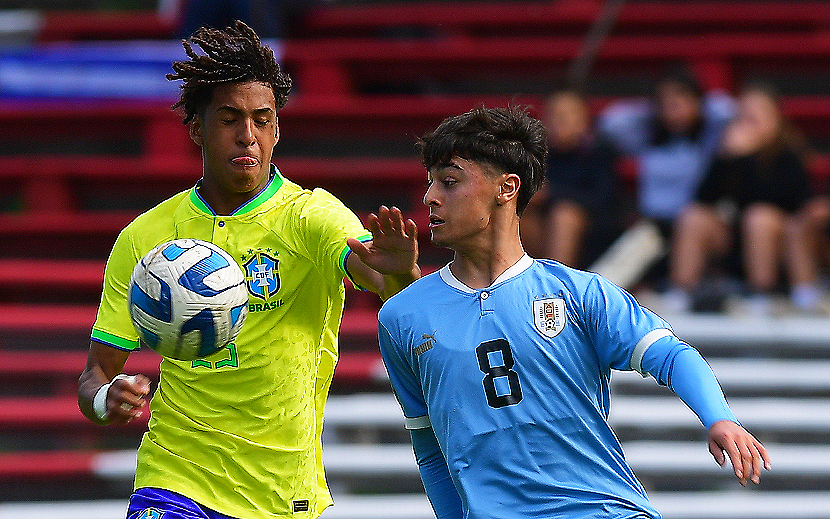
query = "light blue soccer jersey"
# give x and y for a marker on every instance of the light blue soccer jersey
(514, 380)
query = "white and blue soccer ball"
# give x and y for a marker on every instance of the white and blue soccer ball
(187, 299)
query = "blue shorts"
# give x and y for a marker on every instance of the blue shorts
(157, 503)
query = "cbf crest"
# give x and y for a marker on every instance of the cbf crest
(262, 274)
(549, 316)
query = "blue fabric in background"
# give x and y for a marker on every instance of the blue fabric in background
(93, 70)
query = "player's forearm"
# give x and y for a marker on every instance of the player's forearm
(394, 283)
(90, 381)
(694, 382)
(446, 503)
(102, 365)
(681, 368)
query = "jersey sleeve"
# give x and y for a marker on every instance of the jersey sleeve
(404, 380)
(112, 324)
(435, 474)
(630, 337)
(622, 329)
(325, 224)
(681, 368)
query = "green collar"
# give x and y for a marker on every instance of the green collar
(273, 185)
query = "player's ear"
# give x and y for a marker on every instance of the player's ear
(196, 130)
(509, 188)
(277, 129)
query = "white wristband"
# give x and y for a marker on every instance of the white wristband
(99, 401)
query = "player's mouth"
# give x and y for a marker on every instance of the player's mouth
(245, 161)
(434, 221)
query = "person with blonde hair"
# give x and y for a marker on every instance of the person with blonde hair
(749, 200)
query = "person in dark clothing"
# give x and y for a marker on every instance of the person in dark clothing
(580, 185)
(752, 192)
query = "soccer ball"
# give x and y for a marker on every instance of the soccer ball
(187, 299)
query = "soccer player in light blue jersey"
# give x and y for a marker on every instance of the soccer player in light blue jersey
(501, 362)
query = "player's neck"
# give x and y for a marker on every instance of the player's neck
(480, 265)
(222, 201)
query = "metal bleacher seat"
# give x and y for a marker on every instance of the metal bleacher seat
(778, 376)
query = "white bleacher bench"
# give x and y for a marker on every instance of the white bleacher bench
(654, 458)
(370, 460)
(738, 504)
(752, 333)
(757, 375)
(742, 504)
(655, 412)
(660, 458)
(756, 414)
(363, 410)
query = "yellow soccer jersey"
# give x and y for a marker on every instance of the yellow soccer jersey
(239, 431)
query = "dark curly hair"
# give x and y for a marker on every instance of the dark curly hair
(233, 55)
(506, 138)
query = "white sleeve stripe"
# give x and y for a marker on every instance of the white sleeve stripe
(418, 422)
(643, 345)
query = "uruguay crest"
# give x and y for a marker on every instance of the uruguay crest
(549, 316)
(262, 275)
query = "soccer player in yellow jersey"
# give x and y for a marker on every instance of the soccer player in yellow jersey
(238, 433)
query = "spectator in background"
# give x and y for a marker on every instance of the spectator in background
(812, 230)
(752, 194)
(673, 137)
(580, 177)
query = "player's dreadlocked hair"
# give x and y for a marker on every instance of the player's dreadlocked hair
(231, 55)
(506, 138)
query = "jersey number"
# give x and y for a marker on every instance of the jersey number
(500, 371)
(231, 362)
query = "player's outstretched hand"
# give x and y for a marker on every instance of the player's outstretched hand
(394, 245)
(126, 398)
(746, 453)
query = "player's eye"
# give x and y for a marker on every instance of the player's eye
(228, 121)
(261, 123)
(449, 182)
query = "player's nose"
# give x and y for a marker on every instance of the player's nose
(246, 135)
(430, 195)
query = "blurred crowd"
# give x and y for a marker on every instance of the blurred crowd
(722, 183)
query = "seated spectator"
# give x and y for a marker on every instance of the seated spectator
(811, 229)
(579, 194)
(673, 138)
(751, 195)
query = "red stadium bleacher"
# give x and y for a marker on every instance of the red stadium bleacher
(78, 274)
(39, 412)
(46, 181)
(472, 18)
(46, 464)
(59, 26)
(335, 67)
(359, 322)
